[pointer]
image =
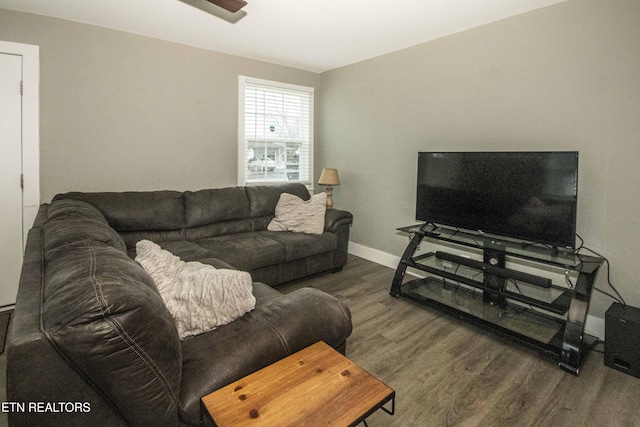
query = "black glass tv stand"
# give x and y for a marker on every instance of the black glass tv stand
(526, 307)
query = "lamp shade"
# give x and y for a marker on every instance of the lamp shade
(329, 176)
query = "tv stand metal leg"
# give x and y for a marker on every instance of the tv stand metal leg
(404, 263)
(575, 344)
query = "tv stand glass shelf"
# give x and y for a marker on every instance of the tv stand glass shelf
(528, 308)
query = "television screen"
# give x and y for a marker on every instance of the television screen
(525, 195)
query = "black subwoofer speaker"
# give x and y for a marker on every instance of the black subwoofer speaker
(622, 339)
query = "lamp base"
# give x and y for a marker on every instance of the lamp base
(329, 196)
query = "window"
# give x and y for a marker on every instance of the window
(275, 133)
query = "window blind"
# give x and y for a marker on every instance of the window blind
(275, 132)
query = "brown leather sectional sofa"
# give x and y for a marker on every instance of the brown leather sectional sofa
(91, 339)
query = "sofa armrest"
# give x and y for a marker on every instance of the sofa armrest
(270, 332)
(36, 371)
(335, 218)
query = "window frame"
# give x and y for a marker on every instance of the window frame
(243, 164)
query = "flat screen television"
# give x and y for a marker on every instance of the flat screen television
(530, 196)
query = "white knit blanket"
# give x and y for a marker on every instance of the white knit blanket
(198, 296)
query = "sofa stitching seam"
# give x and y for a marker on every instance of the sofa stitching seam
(126, 338)
(53, 342)
(276, 332)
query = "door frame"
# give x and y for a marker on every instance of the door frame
(30, 129)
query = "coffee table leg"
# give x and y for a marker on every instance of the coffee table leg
(388, 411)
(393, 406)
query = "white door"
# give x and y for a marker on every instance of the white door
(10, 176)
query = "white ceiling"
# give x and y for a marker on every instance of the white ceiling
(314, 35)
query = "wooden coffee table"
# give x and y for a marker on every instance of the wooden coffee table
(315, 386)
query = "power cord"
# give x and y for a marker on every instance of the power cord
(619, 298)
(593, 347)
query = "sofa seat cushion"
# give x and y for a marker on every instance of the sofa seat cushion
(300, 245)
(263, 336)
(244, 251)
(186, 251)
(217, 263)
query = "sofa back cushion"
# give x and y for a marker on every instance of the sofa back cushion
(216, 205)
(67, 208)
(72, 222)
(220, 212)
(62, 232)
(263, 199)
(162, 216)
(136, 210)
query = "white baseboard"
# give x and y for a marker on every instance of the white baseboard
(593, 326)
(374, 255)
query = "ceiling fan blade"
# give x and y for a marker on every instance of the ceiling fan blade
(230, 5)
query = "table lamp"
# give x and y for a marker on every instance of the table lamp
(329, 177)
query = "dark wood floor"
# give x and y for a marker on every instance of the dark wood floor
(448, 372)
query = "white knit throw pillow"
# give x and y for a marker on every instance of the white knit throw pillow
(199, 297)
(296, 215)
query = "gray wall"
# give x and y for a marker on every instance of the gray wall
(566, 77)
(124, 112)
